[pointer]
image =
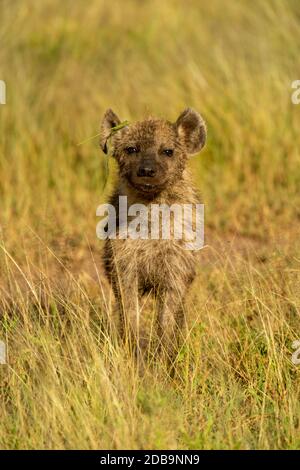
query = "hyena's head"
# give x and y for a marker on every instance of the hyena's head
(152, 154)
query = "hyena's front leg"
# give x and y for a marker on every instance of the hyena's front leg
(127, 296)
(171, 321)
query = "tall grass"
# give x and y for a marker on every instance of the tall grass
(67, 383)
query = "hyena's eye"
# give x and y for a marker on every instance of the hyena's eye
(168, 152)
(130, 150)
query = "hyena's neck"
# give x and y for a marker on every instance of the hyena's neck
(182, 191)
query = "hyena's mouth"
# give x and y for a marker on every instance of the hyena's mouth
(147, 187)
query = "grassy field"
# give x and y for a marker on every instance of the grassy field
(66, 383)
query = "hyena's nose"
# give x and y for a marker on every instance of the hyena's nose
(145, 171)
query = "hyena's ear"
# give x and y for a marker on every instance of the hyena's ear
(192, 129)
(110, 119)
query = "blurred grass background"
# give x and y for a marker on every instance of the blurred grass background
(64, 63)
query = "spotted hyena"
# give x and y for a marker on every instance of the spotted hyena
(152, 157)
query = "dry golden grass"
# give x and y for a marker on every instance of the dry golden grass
(67, 384)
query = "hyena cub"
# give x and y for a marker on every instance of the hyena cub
(152, 157)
